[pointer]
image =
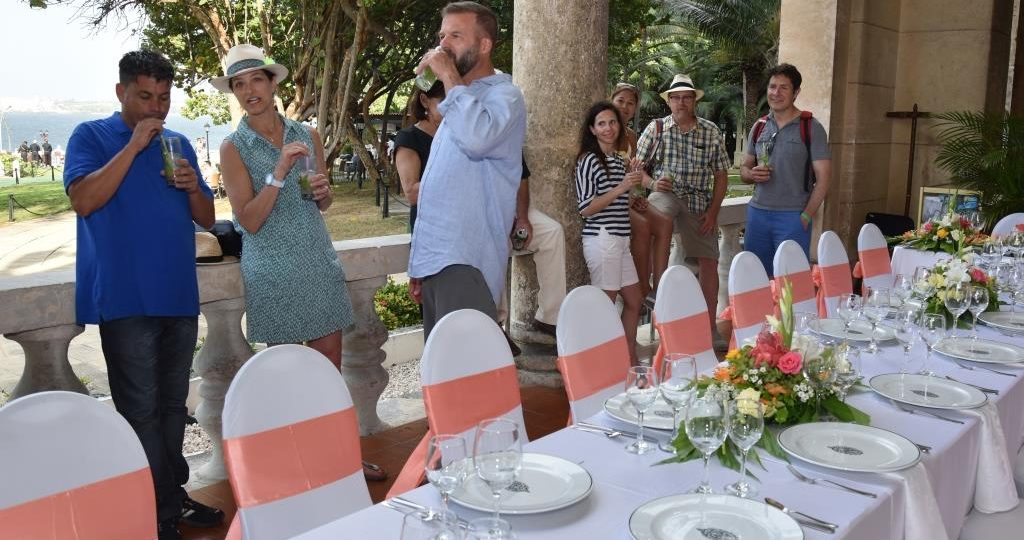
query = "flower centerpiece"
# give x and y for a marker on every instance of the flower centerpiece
(950, 233)
(945, 274)
(771, 370)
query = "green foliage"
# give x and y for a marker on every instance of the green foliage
(984, 152)
(206, 103)
(395, 307)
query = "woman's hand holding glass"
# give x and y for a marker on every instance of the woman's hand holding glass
(678, 384)
(642, 391)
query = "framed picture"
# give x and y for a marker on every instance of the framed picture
(934, 202)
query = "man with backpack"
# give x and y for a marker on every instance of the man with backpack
(787, 159)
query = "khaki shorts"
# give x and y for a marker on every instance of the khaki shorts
(609, 261)
(695, 244)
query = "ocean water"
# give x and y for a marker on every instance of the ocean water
(26, 126)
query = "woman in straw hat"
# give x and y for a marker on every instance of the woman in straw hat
(295, 288)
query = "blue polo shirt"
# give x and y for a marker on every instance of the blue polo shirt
(136, 254)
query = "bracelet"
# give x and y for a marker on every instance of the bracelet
(805, 216)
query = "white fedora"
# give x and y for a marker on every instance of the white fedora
(682, 83)
(244, 58)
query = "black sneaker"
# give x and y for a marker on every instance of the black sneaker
(168, 530)
(197, 514)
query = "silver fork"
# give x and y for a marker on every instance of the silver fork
(926, 413)
(990, 370)
(810, 480)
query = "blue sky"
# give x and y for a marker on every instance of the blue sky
(69, 61)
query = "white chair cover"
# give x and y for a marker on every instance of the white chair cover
(681, 316)
(791, 263)
(834, 269)
(749, 295)
(874, 264)
(1008, 224)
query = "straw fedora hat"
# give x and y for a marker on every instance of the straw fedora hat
(244, 58)
(682, 83)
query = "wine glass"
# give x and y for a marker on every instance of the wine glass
(641, 390)
(905, 328)
(923, 286)
(957, 302)
(976, 219)
(746, 424)
(820, 373)
(933, 329)
(1003, 275)
(876, 307)
(991, 253)
(902, 288)
(446, 464)
(498, 456)
(430, 525)
(804, 322)
(849, 309)
(706, 426)
(1015, 243)
(847, 370)
(678, 383)
(978, 297)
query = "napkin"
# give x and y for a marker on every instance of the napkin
(923, 520)
(994, 490)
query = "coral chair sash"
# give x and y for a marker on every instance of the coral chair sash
(747, 307)
(84, 513)
(686, 335)
(594, 369)
(832, 281)
(803, 285)
(457, 405)
(285, 461)
(873, 262)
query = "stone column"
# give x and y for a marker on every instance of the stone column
(362, 357)
(223, 353)
(46, 360)
(560, 62)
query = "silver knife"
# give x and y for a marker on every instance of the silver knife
(605, 429)
(399, 501)
(983, 389)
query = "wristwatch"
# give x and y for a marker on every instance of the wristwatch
(271, 181)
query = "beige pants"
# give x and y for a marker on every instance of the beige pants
(548, 243)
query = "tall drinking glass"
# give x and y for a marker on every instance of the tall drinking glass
(957, 301)
(426, 78)
(307, 170)
(746, 424)
(876, 307)
(706, 426)
(170, 150)
(446, 464)
(905, 328)
(933, 329)
(678, 384)
(641, 390)
(498, 456)
(978, 297)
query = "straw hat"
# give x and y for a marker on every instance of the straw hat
(208, 248)
(244, 58)
(682, 83)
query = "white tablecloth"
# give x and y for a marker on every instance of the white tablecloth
(623, 482)
(905, 260)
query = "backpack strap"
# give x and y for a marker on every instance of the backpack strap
(759, 127)
(805, 136)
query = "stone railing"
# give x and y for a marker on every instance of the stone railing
(731, 220)
(39, 314)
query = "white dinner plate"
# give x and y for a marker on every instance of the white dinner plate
(980, 350)
(544, 483)
(1003, 320)
(925, 391)
(859, 330)
(658, 416)
(849, 447)
(702, 517)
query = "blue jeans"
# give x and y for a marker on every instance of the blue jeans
(766, 229)
(148, 362)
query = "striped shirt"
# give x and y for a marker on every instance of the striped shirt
(592, 180)
(691, 158)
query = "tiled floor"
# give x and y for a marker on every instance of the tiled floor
(544, 409)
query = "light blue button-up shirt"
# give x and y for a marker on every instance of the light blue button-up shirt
(467, 197)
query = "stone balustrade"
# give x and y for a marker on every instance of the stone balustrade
(731, 220)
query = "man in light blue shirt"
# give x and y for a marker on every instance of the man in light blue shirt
(467, 196)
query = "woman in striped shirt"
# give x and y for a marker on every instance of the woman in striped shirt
(603, 191)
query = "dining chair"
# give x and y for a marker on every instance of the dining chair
(791, 265)
(593, 354)
(750, 297)
(874, 266)
(1008, 224)
(831, 274)
(681, 317)
(468, 376)
(72, 467)
(291, 444)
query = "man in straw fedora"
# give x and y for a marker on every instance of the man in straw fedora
(690, 162)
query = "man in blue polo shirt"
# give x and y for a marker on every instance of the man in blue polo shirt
(135, 271)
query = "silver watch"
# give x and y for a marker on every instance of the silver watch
(271, 181)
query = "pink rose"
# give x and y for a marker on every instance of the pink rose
(977, 275)
(965, 223)
(927, 227)
(790, 363)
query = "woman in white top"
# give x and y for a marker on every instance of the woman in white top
(603, 191)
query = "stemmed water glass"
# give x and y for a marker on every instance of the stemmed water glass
(641, 390)
(992, 253)
(707, 426)
(498, 456)
(847, 371)
(923, 286)
(430, 525)
(1015, 243)
(976, 219)
(902, 288)
(746, 424)
(876, 307)
(978, 297)
(804, 322)
(957, 301)
(849, 309)
(820, 373)
(446, 464)
(905, 328)
(678, 384)
(933, 329)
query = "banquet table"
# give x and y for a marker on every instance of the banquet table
(622, 482)
(906, 259)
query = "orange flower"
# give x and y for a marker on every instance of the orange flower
(722, 374)
(775, 389)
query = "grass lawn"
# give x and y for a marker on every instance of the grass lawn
(353, 214)
(45, 198)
